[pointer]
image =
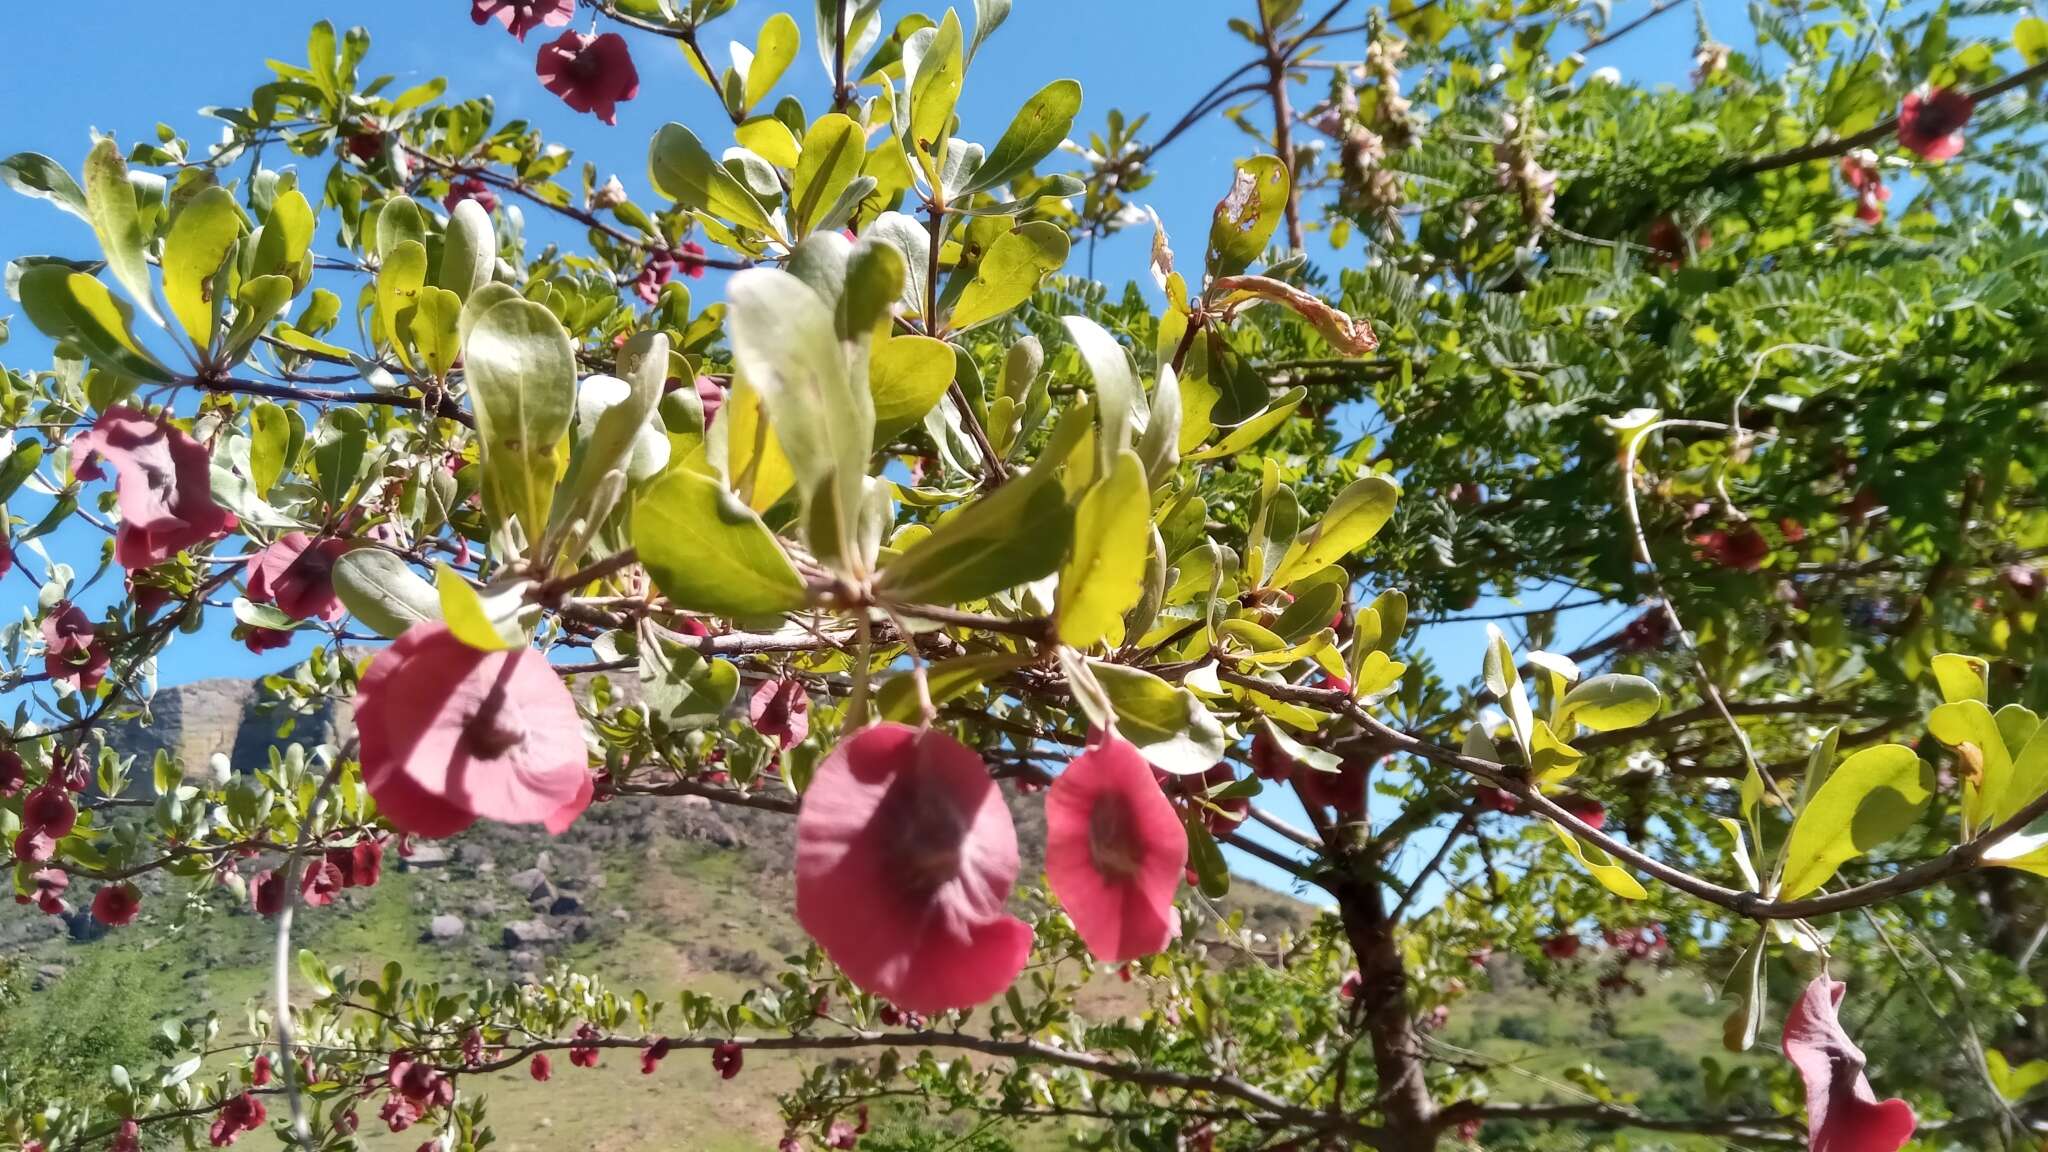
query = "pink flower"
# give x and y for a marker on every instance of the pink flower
(296, 573)
(449, 734)
(523, 16)
(72, 649)
(780, 709)
(540, 1067)
(1114, 852)
(727, 1058)
(127, 1138)
(116, 904)
(266, 893)
(711, 396)
(584, 1055)
(590, 73)
(1843, 1114)
(1931, 122)
(261, 640)
(360, 866)
(13, 773)
(50, 884)
(470, 188)
(1860, 170)
(319, 883)
(1589, 811)
(164, 486)
(1343, 790)
(652, 1056)
(905, 856)
(238, 1114)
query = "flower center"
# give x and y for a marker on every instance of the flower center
(494, 730)
(930, 832)
(1112, 841)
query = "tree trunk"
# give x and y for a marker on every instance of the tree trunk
(1403, 1099)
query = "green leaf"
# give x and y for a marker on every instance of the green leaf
(773, 51)
(1016, 534)
(488, 623)
(21, 464)
(521, 370)
(833, 153)
(284, 243)
(1739, 1029)
(770, 139)
(2028, 781)
(398, 287)
(435, 313)
(1105, 575)
(1353, 519)
(1596, 861)
(708, 552)
(1245, 218)
(64, 303)
(907, 376)
(1117, 394)
(2030, 39)
(1607, 703)
(1961, 677)
(1040, 125)
(680, 686)
(874, 281)
(1205, 856)
(34, 175)
(1969, 727)
(946, 680)
(934, 90)
(1172, 728)
(270, 435)
(398, 221)
(988, 16)
(1504, 680)
(1255, 429)
(469, 253)
(382, 592)
(201, 240)
(684, 172)
(1010, 271)
(110, 205)
(2012, 1083)
(1873, 796)
(1159, 444)
(784, 344)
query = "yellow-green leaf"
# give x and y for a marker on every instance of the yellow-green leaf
(1104, 576)
(110, 204)
(773, 51)
(907, 375)
(490, 627)
(1873, 796)
(1353, 519)
(200, 241)
(1010, 271)
(1961, 677)
(708, 552)
(834, 152)
(1596, 861)
(1969, 727)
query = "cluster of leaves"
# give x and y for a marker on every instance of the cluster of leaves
(1643, 343)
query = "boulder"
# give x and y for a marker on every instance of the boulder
(520, 933)
(445, 927)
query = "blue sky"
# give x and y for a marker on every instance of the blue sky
(125, 66)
